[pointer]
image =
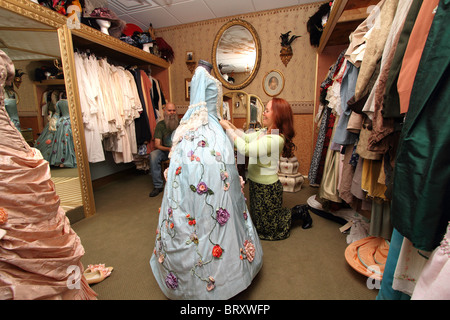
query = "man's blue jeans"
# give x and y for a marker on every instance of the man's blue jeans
(156, 157)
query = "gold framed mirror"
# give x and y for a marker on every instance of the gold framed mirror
(243, 110)
(236, 54)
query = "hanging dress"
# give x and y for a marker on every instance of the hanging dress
(56, 141)
(206, 245)
(63, 151)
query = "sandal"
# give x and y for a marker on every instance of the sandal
(96, 273)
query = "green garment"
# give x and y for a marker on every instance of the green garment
(421, 192)
(264, 151)
(391, 101)
(164, 134)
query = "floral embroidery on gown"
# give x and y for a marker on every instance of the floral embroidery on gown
(206, 245)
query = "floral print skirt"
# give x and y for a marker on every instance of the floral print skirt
(271, 220)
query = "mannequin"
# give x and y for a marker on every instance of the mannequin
(205, 64)
(206, 245)
(104, 25)
(146, 46)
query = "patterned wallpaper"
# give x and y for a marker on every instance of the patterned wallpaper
(199, 37)
(299, 74)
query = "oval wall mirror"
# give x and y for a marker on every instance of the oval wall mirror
(236, 54)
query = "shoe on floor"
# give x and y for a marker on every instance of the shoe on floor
(155, 192)
(300, 212)
(96, 273)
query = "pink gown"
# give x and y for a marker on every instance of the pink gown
(40, 254)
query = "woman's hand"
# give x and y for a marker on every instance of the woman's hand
(225, 124)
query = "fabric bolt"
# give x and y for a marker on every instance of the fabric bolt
(206, 245)
(421, 188)
(40, 254)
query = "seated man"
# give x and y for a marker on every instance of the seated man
(163, 143)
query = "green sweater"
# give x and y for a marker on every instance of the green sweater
(264, 151)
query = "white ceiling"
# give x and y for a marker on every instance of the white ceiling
(166, 13)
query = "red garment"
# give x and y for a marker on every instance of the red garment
(146, 89)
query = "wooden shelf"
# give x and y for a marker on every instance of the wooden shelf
(50, 82)
(345, 17)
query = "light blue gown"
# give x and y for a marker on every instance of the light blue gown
(56, 144)
(206, 245)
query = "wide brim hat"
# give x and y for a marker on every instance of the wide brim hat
(368, 256)
(117, 25)
(131, 28)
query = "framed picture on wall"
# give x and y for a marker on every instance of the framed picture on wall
(187, 88)
(189, 56)
(273, 83)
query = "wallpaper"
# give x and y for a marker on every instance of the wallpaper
(299, 74)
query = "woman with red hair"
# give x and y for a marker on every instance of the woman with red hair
(264, 148)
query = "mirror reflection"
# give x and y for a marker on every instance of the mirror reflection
(37, 102)
(236, 54)
(244, 110)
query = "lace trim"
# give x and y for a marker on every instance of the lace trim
(198, 118)
(445, 243)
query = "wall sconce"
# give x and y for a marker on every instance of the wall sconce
(190, 62)
(18, 78)
(286, 52)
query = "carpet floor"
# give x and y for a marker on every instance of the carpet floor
(309, 265)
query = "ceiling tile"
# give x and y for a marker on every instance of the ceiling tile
(190, 11)
(131, 6)
(261, 5)
(165, 13)
(227, 8)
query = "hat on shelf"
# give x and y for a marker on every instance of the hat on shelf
(130, 28)
(117, 25)
(368, 256)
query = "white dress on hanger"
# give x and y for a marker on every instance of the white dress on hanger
(87, 100)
